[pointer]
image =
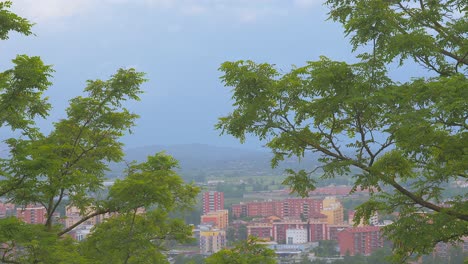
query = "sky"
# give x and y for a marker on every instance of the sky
(180, 45)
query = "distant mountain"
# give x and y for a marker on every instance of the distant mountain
(198, 161)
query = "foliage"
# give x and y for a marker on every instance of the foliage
(245, 252)
(68, 165)
(72, 159)
(231, 190)
(454, 255)
(326, 248)
(26, 243)
(136, 237)
(235, 233)
(195, 259)
(22, 86)
(405, 139)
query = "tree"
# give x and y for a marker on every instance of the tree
(405, 139)
(133, 236)
(21, 87)
(326, 248)
(245, 252)
(69, 163)
(194, 259)
(71, 160)
(379, 256)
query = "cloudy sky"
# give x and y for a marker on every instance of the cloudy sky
(180, 44)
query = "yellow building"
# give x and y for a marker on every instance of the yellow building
(212, 241)
(219, 219)
(73, 216)
(333, 209)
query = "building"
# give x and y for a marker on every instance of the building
(218, 219)
(264, 231)
(360, 240)
(296, 236)
(374, 219)
(32, 214)
(212, 241)
(213, 201)
(340, 190)
(81, 232)
(7, 209)
(333, 209)
(239, 210)
(351, 214)
(333, 231)
(264, 208)
(315, 230)
(300, 208)
(73, 216)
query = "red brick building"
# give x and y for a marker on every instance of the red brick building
(362, 240)
(32, 214)
(263, 231)
(213, 201)
(333, 231)
(301, 207)
(292, 208)
(336, 190)
(239, 210)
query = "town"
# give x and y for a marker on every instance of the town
(295, 228)
(234, 132)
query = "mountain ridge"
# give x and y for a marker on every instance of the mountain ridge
(198, 161)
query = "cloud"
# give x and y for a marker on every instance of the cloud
(307, 3)
(193, 10)
(248, 15)
(174, 28)
(245, 11)
(43, 10)
(46, 10)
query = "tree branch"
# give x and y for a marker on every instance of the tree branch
(49, 217)
(425, 203)
(85, 218)
(392, 182)
(130, 235)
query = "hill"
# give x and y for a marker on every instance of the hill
(199, 161)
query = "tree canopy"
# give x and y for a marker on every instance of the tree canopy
(407, 140)
(248, 251)
(68, 165)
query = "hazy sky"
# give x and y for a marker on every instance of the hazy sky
(180, 44)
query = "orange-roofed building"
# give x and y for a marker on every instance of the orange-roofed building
(218, 219)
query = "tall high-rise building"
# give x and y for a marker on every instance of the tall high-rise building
(213, 201)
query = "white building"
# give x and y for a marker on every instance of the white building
(296, 236)
(374, 219)
(82, 232)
